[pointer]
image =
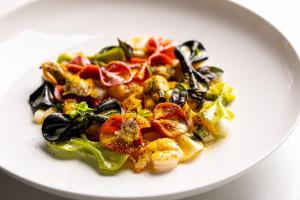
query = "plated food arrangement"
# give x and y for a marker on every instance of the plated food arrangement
(147, 101)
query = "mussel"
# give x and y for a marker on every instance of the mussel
(194, 51)
(179, 95)
(43, 97)
(104, 110)
(211, 72)
(188, 53)
(112, 105)
(57, 127)
(61, 127)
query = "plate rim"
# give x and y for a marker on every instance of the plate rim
(179, 194)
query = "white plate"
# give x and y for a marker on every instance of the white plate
(257, 59)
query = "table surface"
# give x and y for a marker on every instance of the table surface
(276, 178)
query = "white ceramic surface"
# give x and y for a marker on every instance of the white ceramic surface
(257, 60)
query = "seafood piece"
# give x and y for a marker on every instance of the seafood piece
(154, 91)
(163, 154)
(53, 73)
(76, 85)
(40, 115)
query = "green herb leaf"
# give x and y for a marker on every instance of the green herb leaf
(81, 109)
(197, 51)
(143, 112)
(58, 107)
(150, 69)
